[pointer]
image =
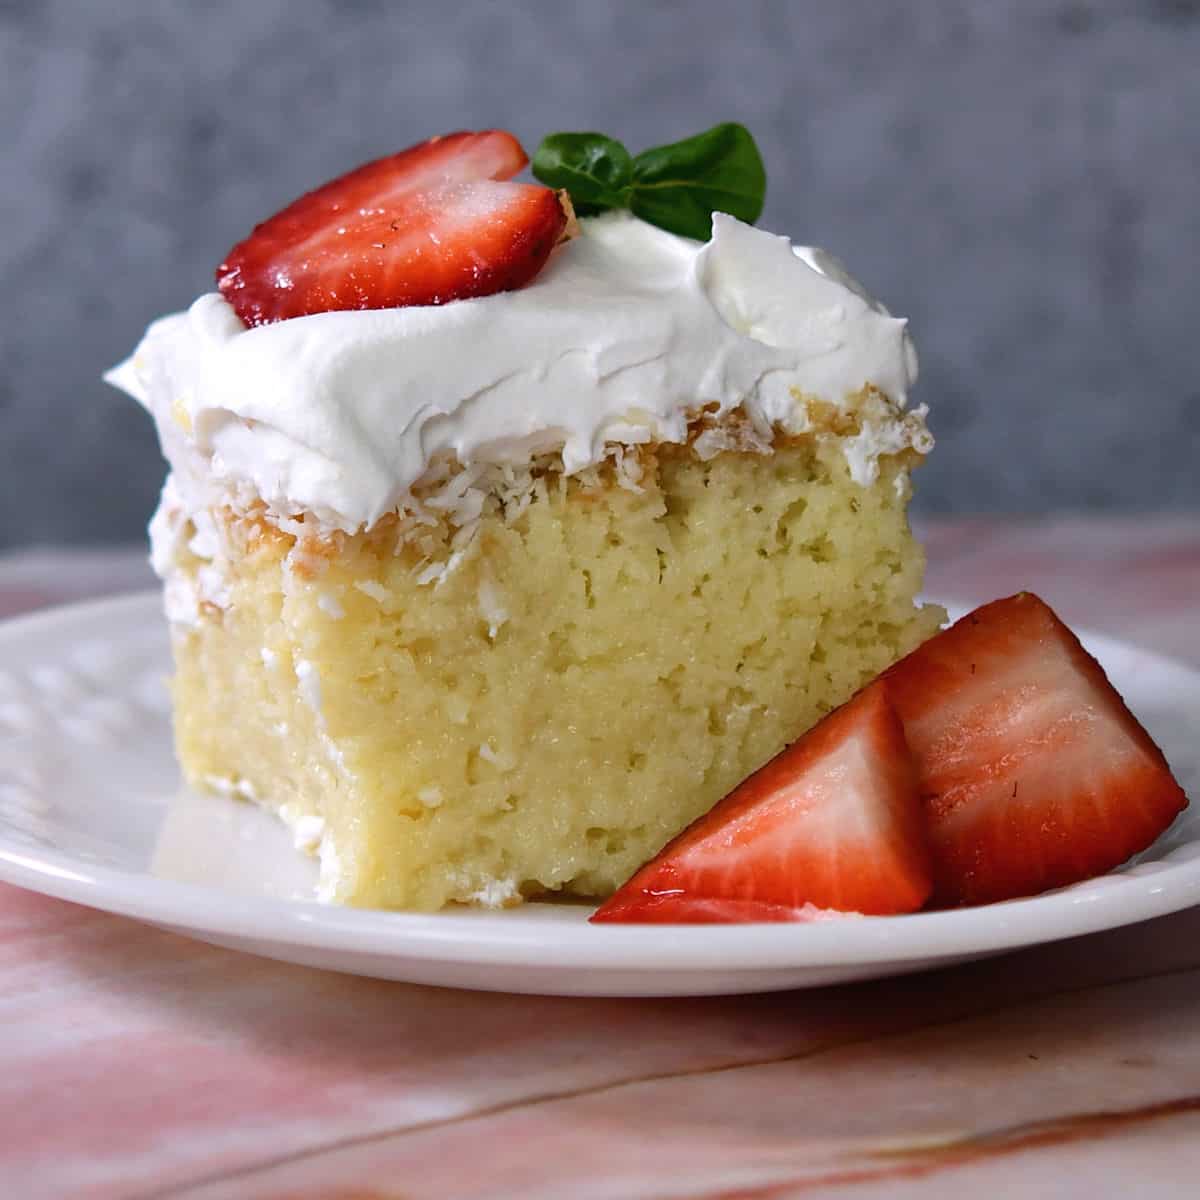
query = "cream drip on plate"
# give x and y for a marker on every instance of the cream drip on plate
(622, 338)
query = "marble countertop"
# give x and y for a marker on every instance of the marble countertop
(135, 1063)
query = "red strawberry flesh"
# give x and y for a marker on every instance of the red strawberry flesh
(431, 224)
(678, 909)
(1033, 772)
(833, 821)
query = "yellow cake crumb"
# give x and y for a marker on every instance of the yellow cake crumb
(539, 701)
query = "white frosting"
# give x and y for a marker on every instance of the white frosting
(625, 333)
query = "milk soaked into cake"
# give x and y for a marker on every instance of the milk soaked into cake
(496, 595)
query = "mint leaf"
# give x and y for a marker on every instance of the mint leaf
(596, 170)
(677, 187)
(680, 186)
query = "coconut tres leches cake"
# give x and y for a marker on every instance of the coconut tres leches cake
(498, 545)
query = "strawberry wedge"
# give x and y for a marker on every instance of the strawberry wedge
(1032, 771)
(434, 223)
(833, 822)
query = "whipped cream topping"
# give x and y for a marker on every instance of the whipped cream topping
(625, 335)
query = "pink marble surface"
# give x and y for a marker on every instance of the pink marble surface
(134, 1063)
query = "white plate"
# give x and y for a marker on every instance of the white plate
(92, 810)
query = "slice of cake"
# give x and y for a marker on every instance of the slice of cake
(491, 592)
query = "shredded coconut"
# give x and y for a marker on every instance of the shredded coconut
(440, 516)
(430, 797)
(370, 588)
(330, 605)
(491, 607)
(307, 828)
(484, 891)
(496, 893)
(331, 870)
(241, 789)
(308, 679)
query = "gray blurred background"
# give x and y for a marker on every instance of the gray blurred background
(1022, 179)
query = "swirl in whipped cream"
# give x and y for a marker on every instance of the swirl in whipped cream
(625, 335)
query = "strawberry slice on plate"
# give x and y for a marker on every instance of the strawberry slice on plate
(680, 909)
(1033, 772)
(434, 223)
(833, 822)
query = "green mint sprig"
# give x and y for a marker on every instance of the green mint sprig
(677, 187)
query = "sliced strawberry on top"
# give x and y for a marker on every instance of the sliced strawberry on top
(834, 821)
(431, 224)
(1033, 772)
